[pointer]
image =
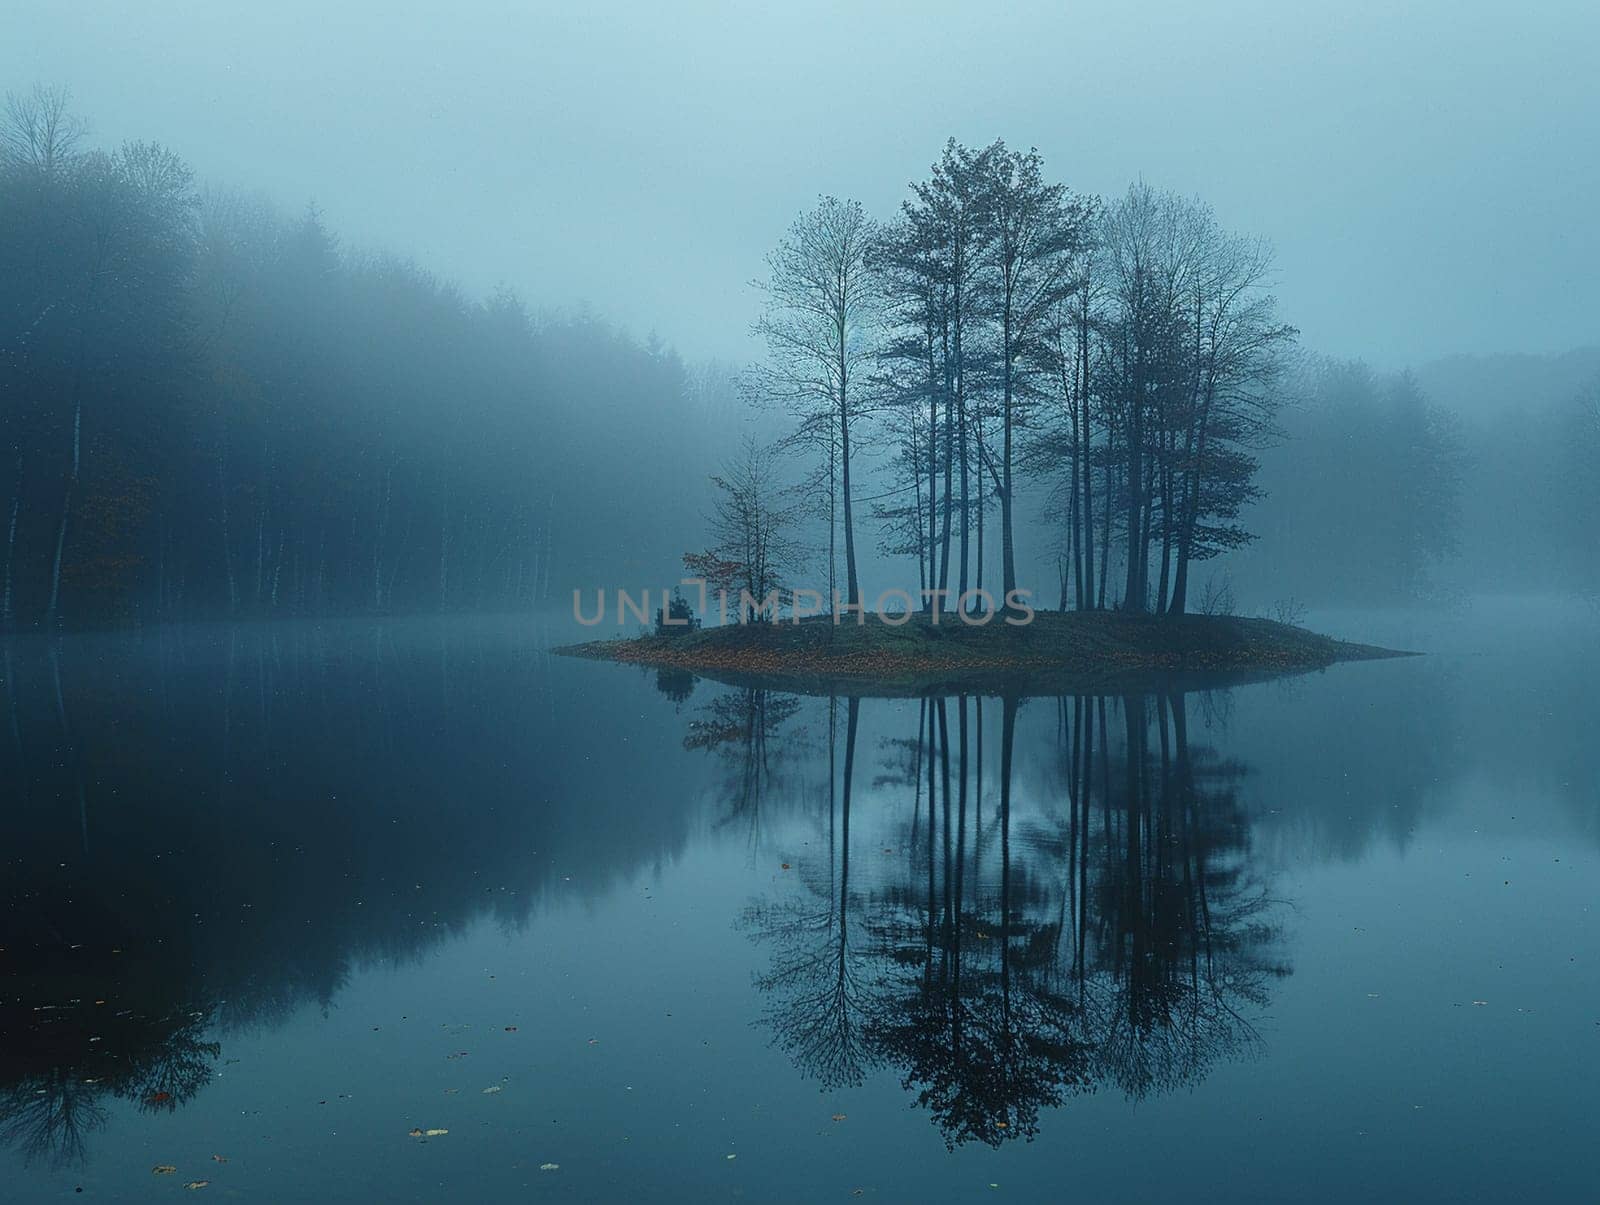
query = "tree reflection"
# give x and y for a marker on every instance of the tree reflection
(1114, 936)
(738, 725)
(61, 1064)
(818, 1011)
(205, 830)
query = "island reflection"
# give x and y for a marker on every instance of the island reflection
(1000, 902)
(1110, 930)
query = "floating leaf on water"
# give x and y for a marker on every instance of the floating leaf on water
(162, 1169)
(732, 1157)
(549, 1167)
(434, 1133)
(491, 1089)
(511, 1029)
(413, 1132)
(220, 1158)
(838, 1116)
(196, 1184)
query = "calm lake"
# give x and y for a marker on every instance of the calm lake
(281, 901)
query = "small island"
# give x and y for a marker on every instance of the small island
(1056, 653)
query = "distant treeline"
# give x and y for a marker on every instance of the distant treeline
(209, 409)
(1361, 499)
(1473, 475)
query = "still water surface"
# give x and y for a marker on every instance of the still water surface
(278, 897)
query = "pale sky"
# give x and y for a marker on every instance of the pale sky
(1428, 172)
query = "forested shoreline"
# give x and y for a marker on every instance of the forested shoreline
(212, 409)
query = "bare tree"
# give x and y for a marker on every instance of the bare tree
(1238, 357)
(754, 550)
(818, 324)
(38, 130)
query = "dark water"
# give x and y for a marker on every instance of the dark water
(285, 894)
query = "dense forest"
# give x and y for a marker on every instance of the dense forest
(212, 409)
(209, 408)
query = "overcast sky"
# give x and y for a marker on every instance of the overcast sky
(1429, 172)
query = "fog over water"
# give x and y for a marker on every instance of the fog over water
(343, 346)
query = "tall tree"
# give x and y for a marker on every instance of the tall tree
(818, 324)
(950, 210)
(1238, 350)
(1037, 228)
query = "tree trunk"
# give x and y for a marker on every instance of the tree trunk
(66, 509)
(1088, 475)
(933, 463)
(1008, 559)
(7, 598)
(1134, 591)
(853, 584)
(227, 538)
(1105, 536)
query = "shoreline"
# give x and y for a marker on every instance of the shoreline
(1071, 649)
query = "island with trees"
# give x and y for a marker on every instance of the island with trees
(211, 409)
(1125, 355)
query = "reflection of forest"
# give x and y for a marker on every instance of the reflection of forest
(206, 829)
(1114, 936)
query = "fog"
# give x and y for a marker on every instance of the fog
(1420, 168)
(458, 309)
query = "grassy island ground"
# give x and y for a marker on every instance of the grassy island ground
(1056, 653)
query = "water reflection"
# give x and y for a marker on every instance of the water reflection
(1110, 931)
(206, 832)
(997, 902)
